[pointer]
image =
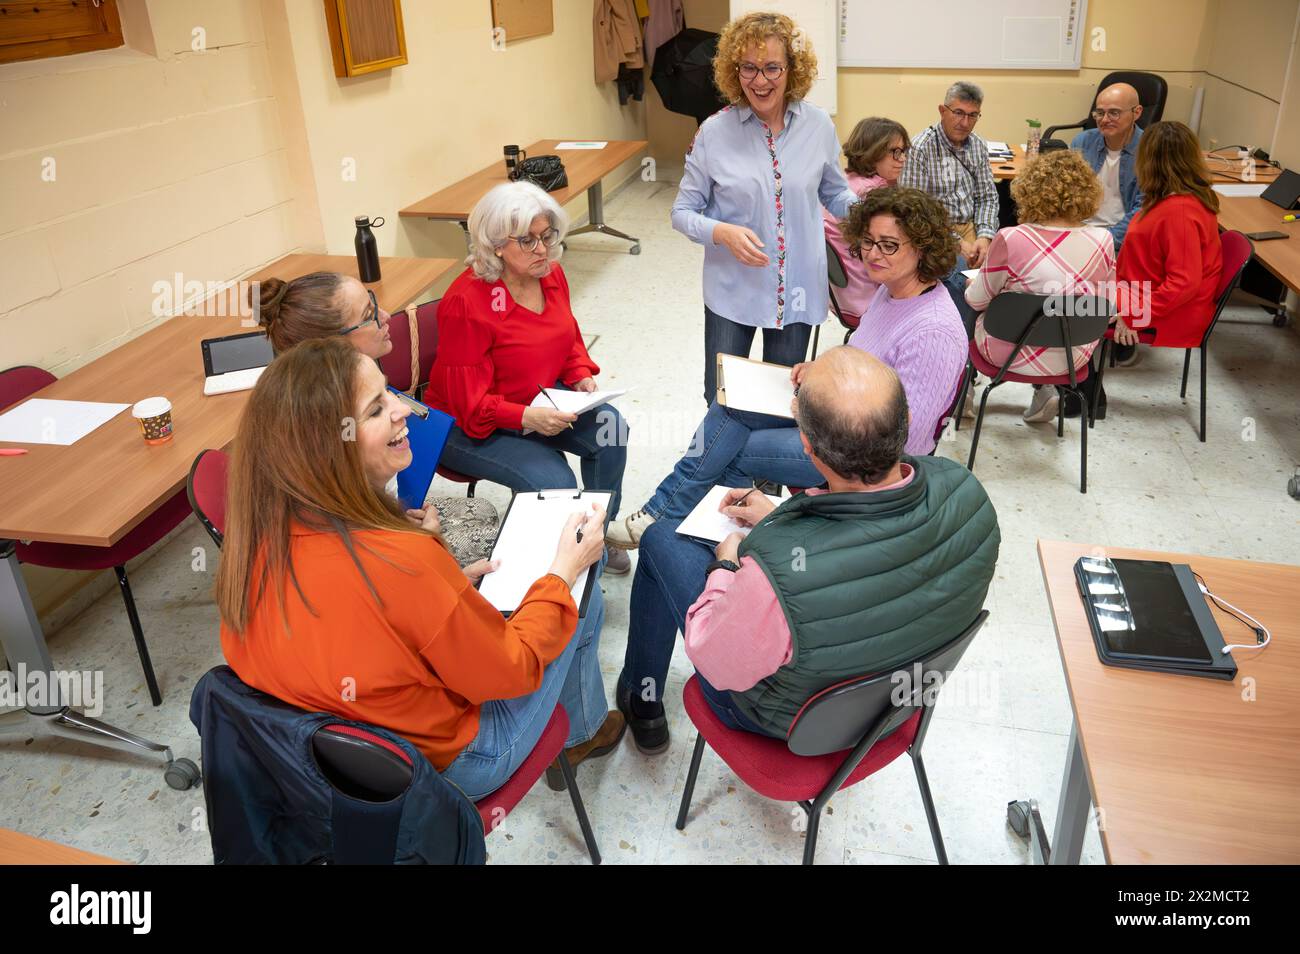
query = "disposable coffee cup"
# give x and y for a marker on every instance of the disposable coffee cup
(154, 415)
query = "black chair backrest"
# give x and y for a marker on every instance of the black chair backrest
(835, 267)
(1048, 321)
(840, 717)
(1152, 90)
(361, 764)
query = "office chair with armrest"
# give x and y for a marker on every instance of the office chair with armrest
(842, 735)
(1152, 90)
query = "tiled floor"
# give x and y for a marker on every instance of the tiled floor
(1151, 483)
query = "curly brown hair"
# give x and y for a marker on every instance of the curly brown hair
(922, 219)
(755, 28)
(1057, 185)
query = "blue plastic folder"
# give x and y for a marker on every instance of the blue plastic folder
(428, 434)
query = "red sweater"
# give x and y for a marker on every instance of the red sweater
(1174, 245)
(491, 359)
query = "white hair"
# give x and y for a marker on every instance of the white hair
(508, 210)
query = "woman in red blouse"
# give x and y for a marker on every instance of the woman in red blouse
(506, 329)
(1169, 264)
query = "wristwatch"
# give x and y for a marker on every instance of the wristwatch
(731, 565)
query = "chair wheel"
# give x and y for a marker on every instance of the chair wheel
(1018, 817)
(635, 249)
(182, 774)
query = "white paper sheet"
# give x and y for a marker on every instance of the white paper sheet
(581, 144)
(42, 421)
(745, 385)
(970, 272)
(1246, 190)
(706, 523)
(526, 544)
(574, 402)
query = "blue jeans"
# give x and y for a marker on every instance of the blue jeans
(508, 729)
(955, 282)
(536, 462)
(669, 578)
(788, 345)
(732, 448)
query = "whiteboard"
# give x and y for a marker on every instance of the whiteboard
(817, 20)
(959, 34)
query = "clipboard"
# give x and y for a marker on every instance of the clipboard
(429, 429)
(755, 386)
(525, 544)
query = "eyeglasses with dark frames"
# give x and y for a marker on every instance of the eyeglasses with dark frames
(887, 246)
(772, 71)
(550, 238)
(900, 153)
(371, 314)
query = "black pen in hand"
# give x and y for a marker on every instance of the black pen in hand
(542, 391)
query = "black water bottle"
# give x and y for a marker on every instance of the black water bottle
(367, 249)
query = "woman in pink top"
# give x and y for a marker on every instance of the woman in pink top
(1050, 252)
(875, 153)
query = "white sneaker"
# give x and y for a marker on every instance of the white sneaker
(1044, 407)
(626, 534)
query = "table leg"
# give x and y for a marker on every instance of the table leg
(596, 219)
(1072, 812)
(28, 654)
(464, 227)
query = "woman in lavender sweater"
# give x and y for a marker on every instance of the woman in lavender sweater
(903, 238)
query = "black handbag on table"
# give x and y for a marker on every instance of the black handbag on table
(545, 172)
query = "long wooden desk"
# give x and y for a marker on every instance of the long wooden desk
(1222, 169)
(1280, 256)
(94, 491)
(1184, 770)
(585, 169)
(19, 849)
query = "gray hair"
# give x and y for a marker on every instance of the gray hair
(507, 210)
(964, 92)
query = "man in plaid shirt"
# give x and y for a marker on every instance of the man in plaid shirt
(951, 163)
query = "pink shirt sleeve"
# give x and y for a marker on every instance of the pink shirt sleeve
(736, 633)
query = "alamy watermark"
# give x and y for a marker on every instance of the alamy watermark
(40, 688)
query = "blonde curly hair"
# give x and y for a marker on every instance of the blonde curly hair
(1056, 185)
(755, 29)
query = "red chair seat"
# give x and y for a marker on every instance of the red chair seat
(768, 767)
(991, 370)
(67, 556)
(502, 802)
(455, 475)
(1146, 334)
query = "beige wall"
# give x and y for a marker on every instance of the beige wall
(447, 113)
(1246, 73)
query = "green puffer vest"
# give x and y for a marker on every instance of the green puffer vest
(869, 581)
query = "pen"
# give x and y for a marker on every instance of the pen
(542, 391)
(12, 451)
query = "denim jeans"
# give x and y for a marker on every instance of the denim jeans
(788, 345)
(508, 729)
(732, 448)
(669, 578)
(536, 462)
(955, 282)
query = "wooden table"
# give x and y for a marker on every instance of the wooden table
(585, 169)
(1221, 168)
(19, 849)
(1279, 256)
(1184, 770)
(94, 491)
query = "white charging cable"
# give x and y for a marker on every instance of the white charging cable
(1262, 635)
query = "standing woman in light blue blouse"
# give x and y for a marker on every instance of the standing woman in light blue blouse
(757, 176)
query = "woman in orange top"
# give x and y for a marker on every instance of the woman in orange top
(333, 600)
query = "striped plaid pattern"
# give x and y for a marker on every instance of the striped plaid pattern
(961, 179)
(1042, 260)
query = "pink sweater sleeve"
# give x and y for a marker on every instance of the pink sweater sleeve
(736, 633)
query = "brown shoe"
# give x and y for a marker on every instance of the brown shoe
(602, 743)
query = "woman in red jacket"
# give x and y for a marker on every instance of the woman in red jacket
(1169, 264)
(506, 329)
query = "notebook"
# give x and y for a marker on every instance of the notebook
(526, 543)
(748, 385)
(706, 523)
(428, 435)
(573, 402)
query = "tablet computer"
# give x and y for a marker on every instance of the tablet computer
(236, 353)
(1284, 191)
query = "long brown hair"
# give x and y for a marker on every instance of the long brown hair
(296, 461)
(297, 310)
(1169, 162)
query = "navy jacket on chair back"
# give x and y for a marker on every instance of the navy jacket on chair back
(269, 803)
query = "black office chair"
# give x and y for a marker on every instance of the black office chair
(1075, 322)
(842, 735)
(1152, 90)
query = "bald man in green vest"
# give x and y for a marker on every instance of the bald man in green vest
(891, 560)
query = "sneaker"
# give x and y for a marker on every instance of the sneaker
(649, 735)
(605, 740)
(1044, 406)
(626, 534)
(617, 562)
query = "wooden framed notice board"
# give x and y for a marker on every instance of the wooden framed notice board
(365, 35)
(520, 19)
